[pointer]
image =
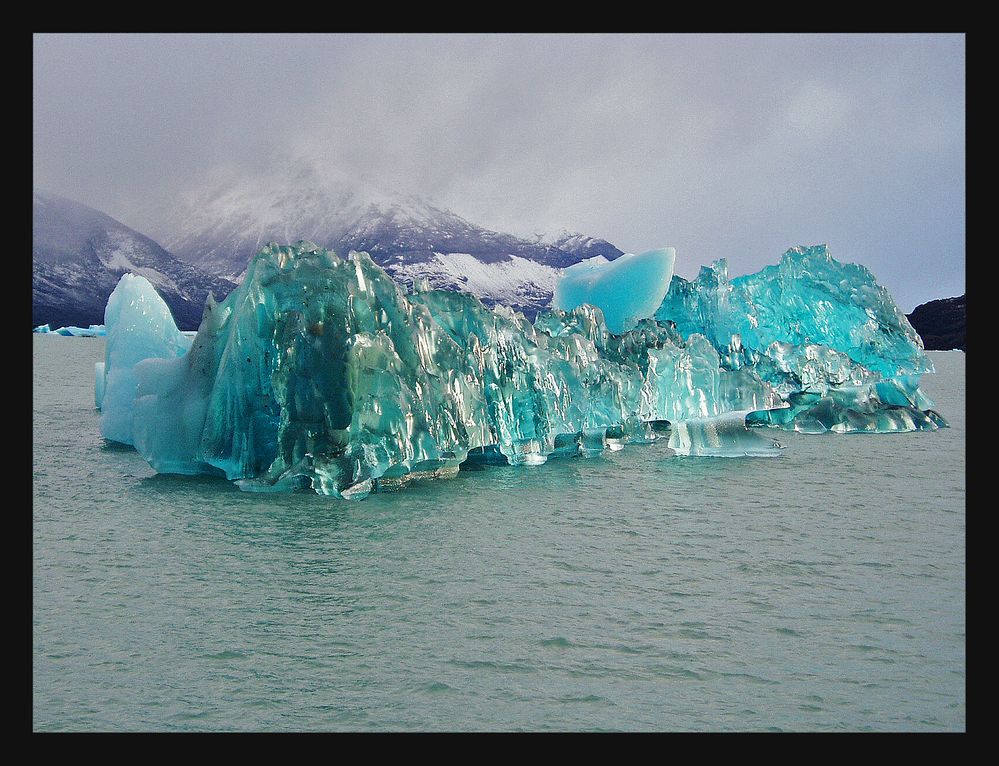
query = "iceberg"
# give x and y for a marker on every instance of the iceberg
(320, 373)
(72, 331)
(725, 435)
(627, 289)
(824, 336)
(139, 327)
(808, 298)
(879, 407)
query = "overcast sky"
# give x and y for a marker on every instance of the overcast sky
(735, 146)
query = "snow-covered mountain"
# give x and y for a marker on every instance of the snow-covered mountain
(79, 254)
(221, 226)
(580, 245)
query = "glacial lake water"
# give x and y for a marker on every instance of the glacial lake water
(823, 590)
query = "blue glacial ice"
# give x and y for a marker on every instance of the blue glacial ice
(319, 372)
(824, 335)
(627, 289)
(93, 331)
(807, 299)
(725, 435)
(140, 326)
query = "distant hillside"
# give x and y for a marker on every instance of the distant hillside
(78, 254)
(940, 323)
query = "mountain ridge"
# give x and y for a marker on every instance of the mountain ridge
(79, 253)
(224, 223)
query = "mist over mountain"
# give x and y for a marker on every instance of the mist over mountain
(79, 254)
(222, 224)
(209, 237)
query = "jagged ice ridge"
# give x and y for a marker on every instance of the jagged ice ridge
(320, 373)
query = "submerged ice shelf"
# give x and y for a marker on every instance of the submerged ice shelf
(318, 372)
(725, 435)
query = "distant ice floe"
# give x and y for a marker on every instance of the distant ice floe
(92, 331)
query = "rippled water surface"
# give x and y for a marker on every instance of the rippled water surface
(823, 590)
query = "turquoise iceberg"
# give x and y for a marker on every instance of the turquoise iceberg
(140, 326)
(807, 299)
(93, 331)
(725, 435)
(320, 373)
(627, 289)
(824, 335)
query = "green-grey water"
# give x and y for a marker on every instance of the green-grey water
(823, 590)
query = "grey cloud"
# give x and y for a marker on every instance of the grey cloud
(721, 145)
